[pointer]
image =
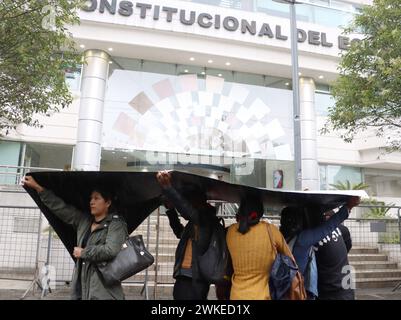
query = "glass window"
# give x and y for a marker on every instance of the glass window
(336, 175)
(331, 13)
(201, 72)
(166, 68)
(272, 8)
(320, 2)
(42, 155)
(234, 4)
(322, 103)
(323, 177)
(249, 78)
(211, 118)
(383, 183)
(9, 159)
(73, 78)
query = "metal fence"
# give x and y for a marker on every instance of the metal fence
(12, 175)
(28, 246)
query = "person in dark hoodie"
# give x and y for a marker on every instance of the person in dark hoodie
(194, 237)
(335, 277)
(302, 239)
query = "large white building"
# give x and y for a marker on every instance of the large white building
(204, 86)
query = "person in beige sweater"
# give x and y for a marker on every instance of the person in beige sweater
(251, 251)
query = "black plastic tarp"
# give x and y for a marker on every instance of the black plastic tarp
(139, 194)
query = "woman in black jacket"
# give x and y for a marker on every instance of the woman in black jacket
(194, 237)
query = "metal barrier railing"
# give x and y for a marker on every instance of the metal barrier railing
(27, 244)
(13, 174)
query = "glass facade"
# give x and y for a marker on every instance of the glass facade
(207, 121)
(323, 101)
(44, 155)
(9, 158)
(15, 155)
(328, 13)
(73, 78)
(333, 174)
(383, 183)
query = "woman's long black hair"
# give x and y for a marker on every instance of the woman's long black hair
(250, 211)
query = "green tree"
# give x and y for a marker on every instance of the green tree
(368, 90)
(379, 209)
(348, 186)
(35, 50)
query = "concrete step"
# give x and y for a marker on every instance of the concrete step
(165, 257)
(378, 273)
(363, 250)
(17, 273)
(363, 283)
(170, 248)
(161, 278)
(367, 257)
(368, 265)
(169, 240)
(12, 188)
(164, 228)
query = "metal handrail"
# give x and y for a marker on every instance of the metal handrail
(30, 168)
(17, 172)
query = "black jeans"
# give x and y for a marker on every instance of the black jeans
(187, 289)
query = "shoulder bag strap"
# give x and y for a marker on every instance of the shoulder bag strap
(273, 244)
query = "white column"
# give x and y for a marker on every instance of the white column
(87, 151)
(310, 167)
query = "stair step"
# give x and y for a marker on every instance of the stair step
(162, 240)
(376, 282)
(161, 278)
(368, 265)
(17, 273)
(379, 273)
(165, 257)
(363, 250)
(163, 247)
(367, 257)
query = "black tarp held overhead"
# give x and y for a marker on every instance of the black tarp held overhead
(139, 194)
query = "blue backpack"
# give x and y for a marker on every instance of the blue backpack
(285, 281)
(310, 273)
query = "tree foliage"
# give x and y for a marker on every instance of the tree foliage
(368, 90)
(35, 50)
(348, 186)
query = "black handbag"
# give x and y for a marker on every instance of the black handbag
(133, 258)
(213, 263)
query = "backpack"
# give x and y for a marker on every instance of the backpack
(310, 273)
(285, 281)
(213, 263)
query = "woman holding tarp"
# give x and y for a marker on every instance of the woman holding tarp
(252, 251)
(100, 236)
(195, 237)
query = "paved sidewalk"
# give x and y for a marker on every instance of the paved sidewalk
(134, 294)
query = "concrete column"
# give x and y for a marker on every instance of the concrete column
(87, 151)
(310, 167)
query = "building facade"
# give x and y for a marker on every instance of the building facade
(205, 87)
